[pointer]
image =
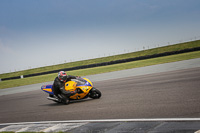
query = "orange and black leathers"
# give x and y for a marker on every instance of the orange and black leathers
(59, 86)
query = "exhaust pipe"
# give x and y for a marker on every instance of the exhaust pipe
(52, 98)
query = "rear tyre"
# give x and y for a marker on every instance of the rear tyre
(95, 93)
(65, 99)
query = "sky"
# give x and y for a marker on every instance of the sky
(37, 33)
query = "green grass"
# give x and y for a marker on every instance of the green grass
(106, 59)
(103, 69)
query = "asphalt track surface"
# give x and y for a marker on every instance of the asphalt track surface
(159, 98)
(173, 94)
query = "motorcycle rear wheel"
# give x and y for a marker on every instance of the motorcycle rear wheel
(65, 100)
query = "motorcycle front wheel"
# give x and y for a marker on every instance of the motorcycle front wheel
(95, 93)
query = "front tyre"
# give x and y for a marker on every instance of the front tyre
(95, 93)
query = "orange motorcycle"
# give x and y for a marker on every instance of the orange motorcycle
(82, 86)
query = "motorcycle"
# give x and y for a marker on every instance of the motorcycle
(82, 86)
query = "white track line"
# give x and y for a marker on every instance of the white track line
(108, 120)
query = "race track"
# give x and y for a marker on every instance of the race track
(173, 94)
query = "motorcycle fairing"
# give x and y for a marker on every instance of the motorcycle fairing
(85, 87)
(87, 83)
(48, 89)
(84, 84)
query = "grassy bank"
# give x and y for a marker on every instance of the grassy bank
(103, 69)
(170, 48)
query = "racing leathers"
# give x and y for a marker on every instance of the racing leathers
(59, 87)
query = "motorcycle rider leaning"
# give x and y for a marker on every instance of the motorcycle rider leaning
(59, 86)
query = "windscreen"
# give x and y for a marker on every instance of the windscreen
(80, 81)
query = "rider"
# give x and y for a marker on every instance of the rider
(59, 85)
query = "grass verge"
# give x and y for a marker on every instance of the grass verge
(103, 69)
(153, 51)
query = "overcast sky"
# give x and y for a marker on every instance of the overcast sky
(36, 33)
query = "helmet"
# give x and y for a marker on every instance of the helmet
(62, 76)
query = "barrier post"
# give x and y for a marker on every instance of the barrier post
(22, 76)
